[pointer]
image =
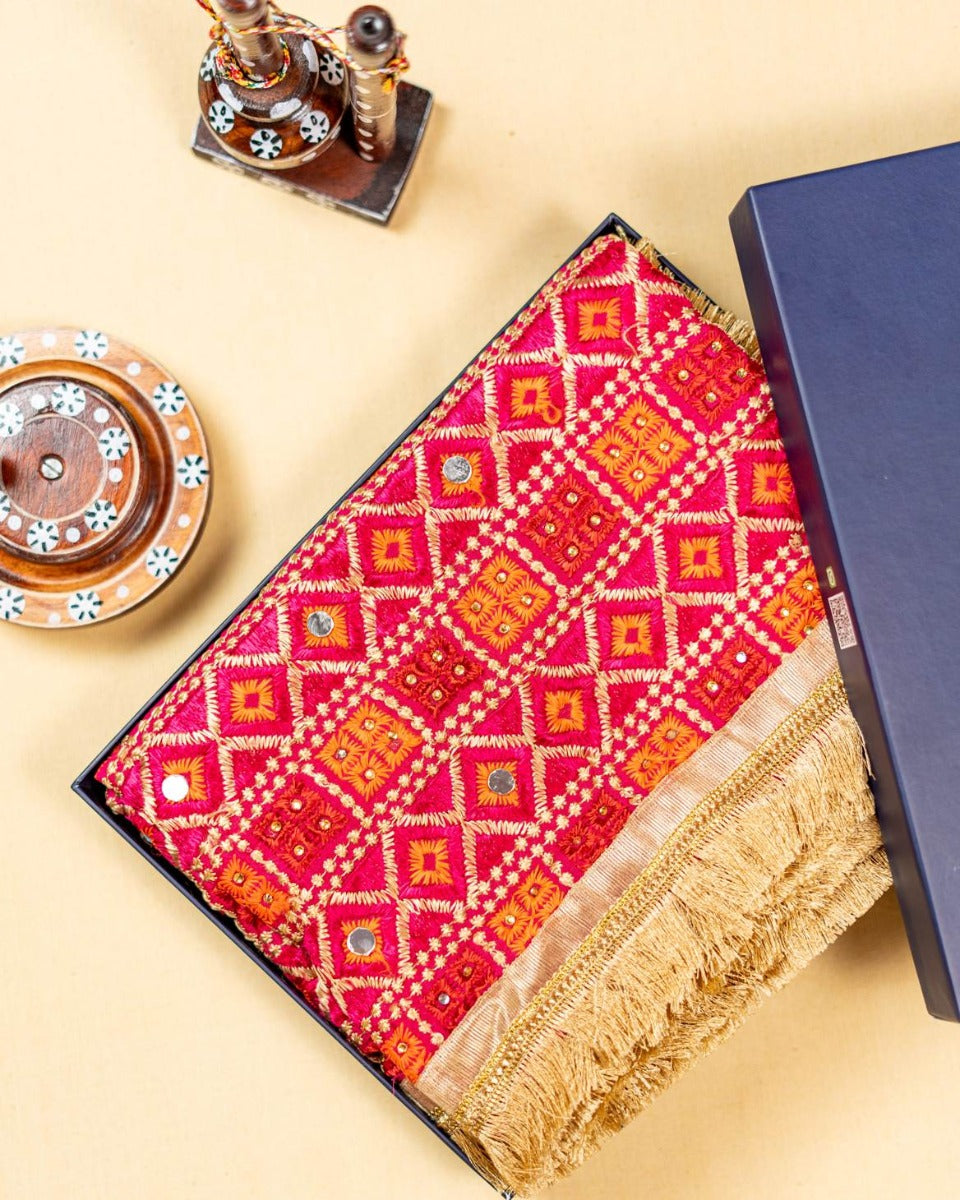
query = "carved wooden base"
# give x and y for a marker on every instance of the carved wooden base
(104, 477)
(339, 178)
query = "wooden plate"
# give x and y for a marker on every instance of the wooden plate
(104, 477)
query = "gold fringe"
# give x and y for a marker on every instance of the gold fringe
(775, 871)
(736, 328)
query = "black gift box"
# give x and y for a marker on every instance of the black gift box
(852, 277)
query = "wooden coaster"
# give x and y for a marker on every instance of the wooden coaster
(104, 477)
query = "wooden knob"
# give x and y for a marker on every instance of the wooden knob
(370, 31)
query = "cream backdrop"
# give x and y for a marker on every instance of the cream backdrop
(142, 1054)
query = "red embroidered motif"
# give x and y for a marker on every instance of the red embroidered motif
(298, 825)
(394, 765)
(586, 839)
(571, 525)
(437, 675)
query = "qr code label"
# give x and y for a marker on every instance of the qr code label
(842, 621)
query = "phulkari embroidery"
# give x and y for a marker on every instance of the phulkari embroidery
(538, 734)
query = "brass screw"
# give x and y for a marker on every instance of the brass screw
(51, 467)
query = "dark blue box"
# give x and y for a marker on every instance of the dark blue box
(853, 278)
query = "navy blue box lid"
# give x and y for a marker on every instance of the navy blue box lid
(853, 277)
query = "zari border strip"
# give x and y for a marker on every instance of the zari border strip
(818, 750)
(459, 1060)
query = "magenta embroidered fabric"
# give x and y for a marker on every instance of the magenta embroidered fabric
(397, 761)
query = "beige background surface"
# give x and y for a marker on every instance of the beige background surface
(141, 1054)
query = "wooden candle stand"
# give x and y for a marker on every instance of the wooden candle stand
(280, 102)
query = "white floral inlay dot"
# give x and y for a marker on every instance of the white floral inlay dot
(69, 399)
(11, 604)
(169, 399)
(192, 470)
(183, 520)
(53, 618)
(266, 144)
(90, 343)
(11, 419)
(84, 606)
(133, 368)
(100, 515)
(14, 522)
(49, 339)
(43, 536)
(331, 68)
(161, 562)
(183, 433)
(39, 401)
(123, 591)
(314, 127)
(72, 534)
(101, 415)
(114, 443)
(12, 352)
(115, 475)
(221, 117)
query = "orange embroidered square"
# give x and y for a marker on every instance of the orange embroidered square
(486, 796)
(251, 700)
(564, 711)
(663, 749)
(405, 1051)
(392, 549)
(630, 634)
(339, 635)
(639, 448)
(374, 957)
(700, 558)
(192, 771)
(429, 862)
(538, 894)
(513, 925)
(474, 482)
(368, 747)
(796, 610)
(599, 318)
(253, 891)
(531, 395)
(522, 914)
(771, 483)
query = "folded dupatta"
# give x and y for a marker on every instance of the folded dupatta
(531, 767)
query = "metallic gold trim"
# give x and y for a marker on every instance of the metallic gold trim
(589, 960)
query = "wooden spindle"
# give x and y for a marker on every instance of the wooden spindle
(372, 40)
(260, 54)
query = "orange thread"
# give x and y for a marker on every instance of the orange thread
(282, 23)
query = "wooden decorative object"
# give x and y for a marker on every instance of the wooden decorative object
(372, 39)
(104, 477)
(320, 122)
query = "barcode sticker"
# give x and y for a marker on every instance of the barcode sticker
(842, 621)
